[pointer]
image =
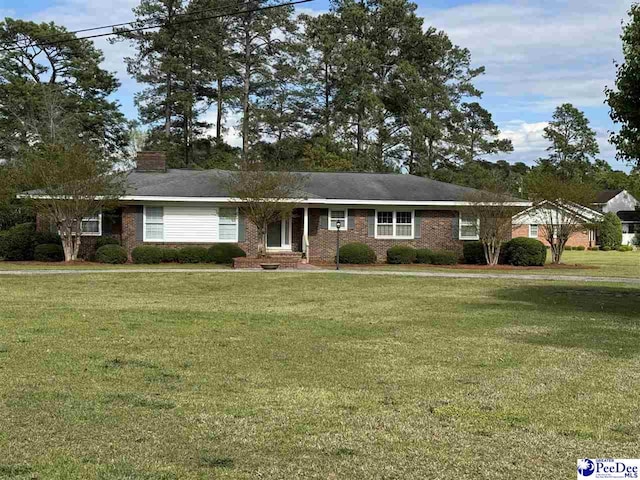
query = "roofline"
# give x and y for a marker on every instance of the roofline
(579, 211)
(304, 201)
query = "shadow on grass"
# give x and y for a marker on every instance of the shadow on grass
(599, 318)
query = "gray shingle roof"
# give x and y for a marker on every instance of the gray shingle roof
(604, 196)
(320, 185)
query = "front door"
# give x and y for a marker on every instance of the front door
(279, 235)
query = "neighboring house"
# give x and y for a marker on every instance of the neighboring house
(530, 222)
(191, 207)
(615, 201)
(630, 225)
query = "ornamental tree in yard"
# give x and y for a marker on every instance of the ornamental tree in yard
(494, 210)
(72, 181)
(266, 196)
(559, 206)
(610, 231)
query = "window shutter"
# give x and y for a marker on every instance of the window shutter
(107, 224)
(139, 223)
(351, 221)
(241, 227)
(455, 224)
(371, 223)
(417, 221)
(324, 218)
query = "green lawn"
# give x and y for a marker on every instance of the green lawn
(199, 376)
(596, 263)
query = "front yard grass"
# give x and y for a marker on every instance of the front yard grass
(595, 263)
(198, 376)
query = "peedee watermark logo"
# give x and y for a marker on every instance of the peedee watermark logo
(608, 468)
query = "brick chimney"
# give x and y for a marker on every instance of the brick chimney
(151, 162)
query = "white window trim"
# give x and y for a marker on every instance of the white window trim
(235, 239)
(472, 237)
(284, 247)
(345, 225)
(91, 234)
(531, 235)
(394, 236)
(144, 224)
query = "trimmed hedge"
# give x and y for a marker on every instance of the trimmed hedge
(169, 255)
(525, 252)
(102, 241)
(594, 249)
(610, 231)
(18, 242)
(625, 248)
(401, 254)
(444, 257)
(423, 255)
(147, 254)
(48, 252)
(193, 255)
(111, 254)
(357, 253)
(580, 248)
(473, 253)
(224, 253)
(606, 248)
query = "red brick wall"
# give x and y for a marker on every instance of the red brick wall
(436, 232)
(576, 240)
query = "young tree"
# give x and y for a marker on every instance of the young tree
(266, 197)
(559, 205)
(494, 211)
(624, 100)
(573, 143)
(610, 231)
(72, 181)
(33, 69)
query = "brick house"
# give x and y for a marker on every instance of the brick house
(179, 207)
(530, 223)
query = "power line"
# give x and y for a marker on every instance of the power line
(240, 12)
(83, 30)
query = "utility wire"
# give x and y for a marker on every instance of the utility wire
(139, 29)
(83, 30)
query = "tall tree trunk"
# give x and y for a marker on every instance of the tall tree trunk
(327, 96)
(246, 87)
(167, 107)
(219, 113)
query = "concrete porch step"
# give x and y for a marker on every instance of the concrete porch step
(285, 259)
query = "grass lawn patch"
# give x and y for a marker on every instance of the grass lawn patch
(199, 375)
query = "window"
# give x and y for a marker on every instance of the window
(394, 224)
(228, 225)
(153, 224)
(469, 227)
(91, 226)
(334, 216)
(533, 230)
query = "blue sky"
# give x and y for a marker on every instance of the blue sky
(537, 54)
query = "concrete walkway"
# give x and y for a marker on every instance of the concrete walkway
(460, 274)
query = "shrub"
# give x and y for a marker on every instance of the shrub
(102, 241)
(473, 253)
(401, 254)
(636, 239)
(111, 254)
(423, 255)
(625, 248)
(606, 248)
(18, 242)
(568, 248)
(444, 257)
(48, 252)
(224, 253)
(525, 252)
(193, 255)
(146, 254)
(357, 253)
(169, 255)
(42, 238)
(593, 249)
(610, 230)
(580, 248)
